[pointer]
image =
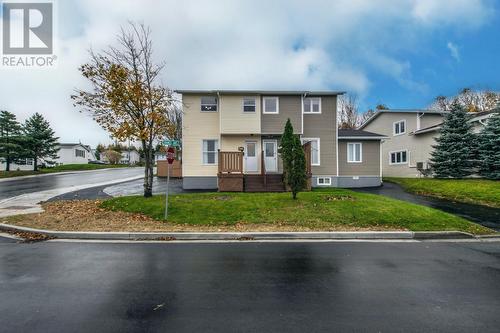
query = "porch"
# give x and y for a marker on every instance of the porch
(231, 176)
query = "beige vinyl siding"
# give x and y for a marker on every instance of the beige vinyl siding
(429, 119)
(234, 120)
(323, 126)
(418, 147)
(370, 157)
(289, 107)
(197, 126)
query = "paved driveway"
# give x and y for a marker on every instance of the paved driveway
(250, 287)
(14, 187)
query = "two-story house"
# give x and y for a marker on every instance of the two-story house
(407, 145)
(232, 132)
(411, 136)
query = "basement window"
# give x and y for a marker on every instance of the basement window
(324, 181)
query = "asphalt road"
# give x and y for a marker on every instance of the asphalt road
(15, 187)
(250, 287)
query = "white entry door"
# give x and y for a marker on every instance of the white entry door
(251, 156)
(271, 155)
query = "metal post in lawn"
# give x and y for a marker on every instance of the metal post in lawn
(170, 160)
(166, 196)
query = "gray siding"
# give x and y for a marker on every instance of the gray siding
(370, 165)
(289, 107)
(324, 127)
(199, 183)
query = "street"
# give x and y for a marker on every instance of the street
(250, 287)
(14, 187)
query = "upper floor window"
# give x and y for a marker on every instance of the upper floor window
(312, 105)
(271, 105)
(354, 152)
(209, 103)
(315, 149)
(248, 104)
(80, 153)
(399, 157)
(399, 127)
(210, 148)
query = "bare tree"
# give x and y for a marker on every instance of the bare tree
(348, 111)
(365, 116)
(471, 100)
(126, 98)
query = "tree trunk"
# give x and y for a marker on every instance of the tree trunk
(35, 164)
(7, 160)
(148, 172)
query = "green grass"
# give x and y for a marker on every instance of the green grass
(320, 209)
(476, 191)
(60, 168)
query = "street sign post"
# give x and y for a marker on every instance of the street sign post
(170, 160)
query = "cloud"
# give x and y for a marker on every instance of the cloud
(454, 52)
(258, 44)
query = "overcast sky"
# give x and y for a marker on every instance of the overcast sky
(401, 53)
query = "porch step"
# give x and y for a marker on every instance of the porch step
(255, 183)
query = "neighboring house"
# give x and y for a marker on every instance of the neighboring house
(253, 121)
(74, 153)
(411, 135)
(24, 164)
(130, 157)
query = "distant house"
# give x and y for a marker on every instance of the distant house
(74, 153)
(25, 164)
(411, 135)
(130, 157)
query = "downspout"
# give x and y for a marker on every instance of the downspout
(337, 135)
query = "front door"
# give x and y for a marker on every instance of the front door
(251, 156)
(271, 155)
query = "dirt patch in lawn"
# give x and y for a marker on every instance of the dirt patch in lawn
(86, 215)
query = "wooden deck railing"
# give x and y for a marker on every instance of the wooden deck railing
(230, 162)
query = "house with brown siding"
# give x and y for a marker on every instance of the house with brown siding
(231, 139)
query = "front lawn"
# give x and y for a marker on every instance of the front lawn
(476, 191)
(325, 209)
(60, 168)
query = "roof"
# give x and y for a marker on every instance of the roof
(86, 147)
(359, 134)
(262, 92)
(379, 112)
(477, 116)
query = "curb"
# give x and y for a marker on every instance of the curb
(362, 235)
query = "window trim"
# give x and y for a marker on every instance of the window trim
(216, 104)
(354, 155)
(394, 127)
(243, 104)
(203, 153)
(264, 104)
(399, 151)
(304, 140)
(311, 112)
(329, 183)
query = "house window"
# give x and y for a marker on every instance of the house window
(399, 127)
(249, 104)
(354, 152)
(312, 105)
(210, 148)
(80, 153)
(399, 157)
(324, 181)
(209, 104)
(271, 105)
(315, 150)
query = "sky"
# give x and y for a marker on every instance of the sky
(400, 53)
